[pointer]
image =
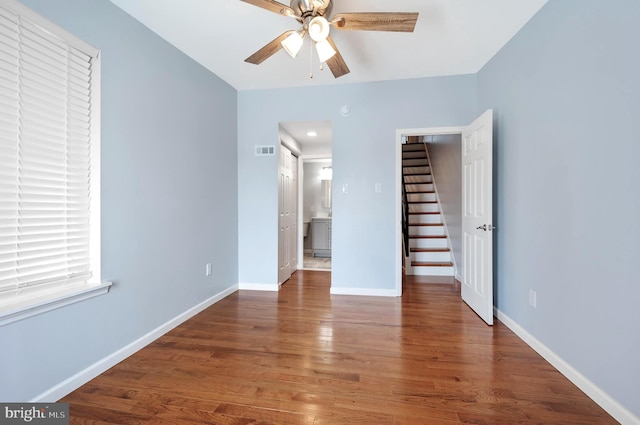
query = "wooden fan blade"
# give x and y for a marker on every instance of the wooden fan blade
(272, 6)
(336, 63)
(376, 21)
(269, 50)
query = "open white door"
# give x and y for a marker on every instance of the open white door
(477, 216)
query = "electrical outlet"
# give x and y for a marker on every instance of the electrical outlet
(207, 269)
(533, 301)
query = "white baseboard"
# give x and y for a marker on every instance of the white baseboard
(74, 382)
(615, 409)
(272, 287)
(367, 292)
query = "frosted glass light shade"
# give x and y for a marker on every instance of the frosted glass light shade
(325, 50)
(318, 29)
(293, 44)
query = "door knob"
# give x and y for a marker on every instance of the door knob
(483, 227)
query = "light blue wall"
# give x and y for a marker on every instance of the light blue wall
(363, 229)
(169, 201)
(566, 94)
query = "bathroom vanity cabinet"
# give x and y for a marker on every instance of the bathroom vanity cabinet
(321, 237)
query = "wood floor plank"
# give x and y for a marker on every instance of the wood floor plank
(303, 356)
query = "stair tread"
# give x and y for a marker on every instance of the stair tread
(431, 264)
(422, 202)
(426, 224)
(421, 191)
(425, 212)
(430, 249)
(427, 236)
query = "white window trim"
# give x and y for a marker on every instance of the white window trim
(39, 302)
(30, 302)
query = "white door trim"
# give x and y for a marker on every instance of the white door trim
(400, 133)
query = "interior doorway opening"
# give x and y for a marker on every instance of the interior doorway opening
(311, 142)
(317, 213)
(423, 135)
(477, 210)
(432, 206)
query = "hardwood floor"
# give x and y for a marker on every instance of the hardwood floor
(302, 356)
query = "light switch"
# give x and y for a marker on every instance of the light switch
(378, 187)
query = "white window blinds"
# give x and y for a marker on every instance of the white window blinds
(45, 156)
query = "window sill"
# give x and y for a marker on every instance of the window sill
(13, 308)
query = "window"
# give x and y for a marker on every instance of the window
(49, 166)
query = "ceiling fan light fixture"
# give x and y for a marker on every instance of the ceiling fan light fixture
(319, 29)
(325, 50)
(293, 43)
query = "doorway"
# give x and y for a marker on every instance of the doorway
(311, 142)
(477, 214)
(317, 213)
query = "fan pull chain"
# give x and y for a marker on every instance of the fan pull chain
(311, 61)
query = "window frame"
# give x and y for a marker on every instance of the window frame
(35, 300)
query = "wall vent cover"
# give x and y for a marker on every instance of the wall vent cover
(265, 150)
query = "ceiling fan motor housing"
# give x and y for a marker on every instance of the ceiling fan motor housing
(305, 8)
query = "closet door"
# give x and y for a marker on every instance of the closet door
(287, 206)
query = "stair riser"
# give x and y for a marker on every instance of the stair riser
(423, 207)
(413, 147)
(423, 187)
(421, 197)
(418, 179)
(426, 230)
(416, 162)
(431, 257)
(432, 271)
(428, 243)
(416, 170)
(426, 218)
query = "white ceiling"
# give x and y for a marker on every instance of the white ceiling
(452, 37)
(299, 129)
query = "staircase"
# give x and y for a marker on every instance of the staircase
(429, 253)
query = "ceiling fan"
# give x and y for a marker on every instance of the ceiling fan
(315, 18)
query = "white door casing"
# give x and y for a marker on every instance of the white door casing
(477, 216)
(293, 210)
